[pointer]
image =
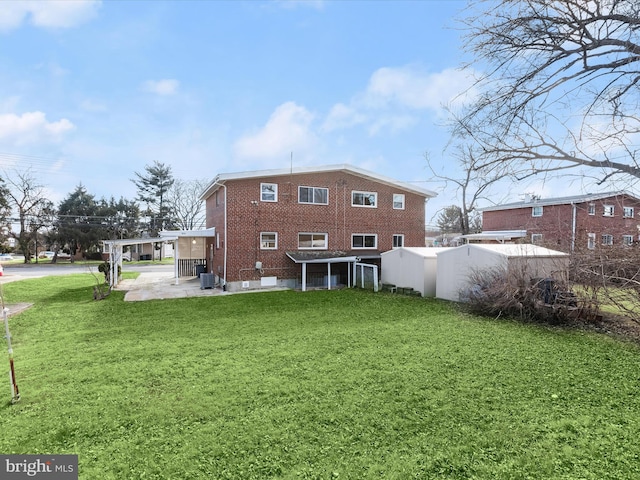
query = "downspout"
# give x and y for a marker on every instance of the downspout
(224, 261)
(574, 214)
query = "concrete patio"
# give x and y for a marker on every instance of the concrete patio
(162, 285)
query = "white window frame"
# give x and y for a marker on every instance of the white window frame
(398, 201)
(627, 212)
(263, 241)
(264, 194)
(536, 211)
(315, 236)
(536, 238)
(627, 240)
(591, 241)
(398, 236)
(313, 195)
(591, 209)
(364, 194)
(608, 210)
(607, 239)
(364, 237)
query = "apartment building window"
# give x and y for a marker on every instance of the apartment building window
(398, 240)
(627, 212)
(315, 195)
(591, 241)
(268, 241)
(364, 240)
(536, 211)
(312, 241)
(536, 238)
(607, 239)
(398, 201)
(627, 239)
(269, 192)
(608, 211)
(364, 199)
(592, 209)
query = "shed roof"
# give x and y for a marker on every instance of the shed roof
(426, 252)
(513, 250)
(217, 182)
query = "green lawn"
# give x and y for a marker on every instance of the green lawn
(340, 384)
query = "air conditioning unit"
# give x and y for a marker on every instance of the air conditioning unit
(206, 280)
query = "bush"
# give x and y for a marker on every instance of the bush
(105, 268)
(516, 295)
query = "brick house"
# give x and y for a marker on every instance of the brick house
(587, 221)
(307, 226)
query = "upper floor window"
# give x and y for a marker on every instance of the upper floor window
(398, 201)
(315, 241)
(607, 239)
(269, 192)
(536, 211)
(627, 212)
(364, 240)
(398, 240)
(627, 239)
(592, 209)
(608, 211)
(364, 199)
(268, 241)
(313, 195)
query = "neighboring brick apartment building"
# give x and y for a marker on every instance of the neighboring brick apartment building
(587, 221)
(273, 225)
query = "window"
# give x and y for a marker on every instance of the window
(317, 241)
(607, 239)
(268, 241)
(536, 211)
(536, 238)
(269, 192)
(363, 240)
(364, 199)
(627, 212)
(313, 195)
(398, 241)
(591, 241)
(398, 201)
(627, 239)
(608, 211)
(592, 209)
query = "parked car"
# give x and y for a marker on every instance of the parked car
(5, 257)
(46, 254)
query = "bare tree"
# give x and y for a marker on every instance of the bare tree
(475, 183)
(186, 205)
(562, 89)
(35, 211)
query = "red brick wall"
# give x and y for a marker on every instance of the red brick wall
(248, 217)
(556, 222)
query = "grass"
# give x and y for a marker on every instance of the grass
(316, 385)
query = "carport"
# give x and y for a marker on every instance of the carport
(191, 238)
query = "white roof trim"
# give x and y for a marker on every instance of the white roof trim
(221, 178)
(207, 232)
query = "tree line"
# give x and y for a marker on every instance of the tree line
(79, 224)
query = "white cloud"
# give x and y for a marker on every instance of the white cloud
(409, 87)
(167, 86)
(31, 127)
(287, 130)
(394, 97)
(47, 14)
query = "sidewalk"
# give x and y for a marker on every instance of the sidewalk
(162, 285)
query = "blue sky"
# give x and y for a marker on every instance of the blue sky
(91, 92)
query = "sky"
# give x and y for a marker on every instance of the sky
(92, 92)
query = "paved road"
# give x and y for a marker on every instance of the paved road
(16, 272)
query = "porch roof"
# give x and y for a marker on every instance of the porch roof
(304, 256)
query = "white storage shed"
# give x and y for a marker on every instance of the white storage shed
(455, 266)
(411, 267)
